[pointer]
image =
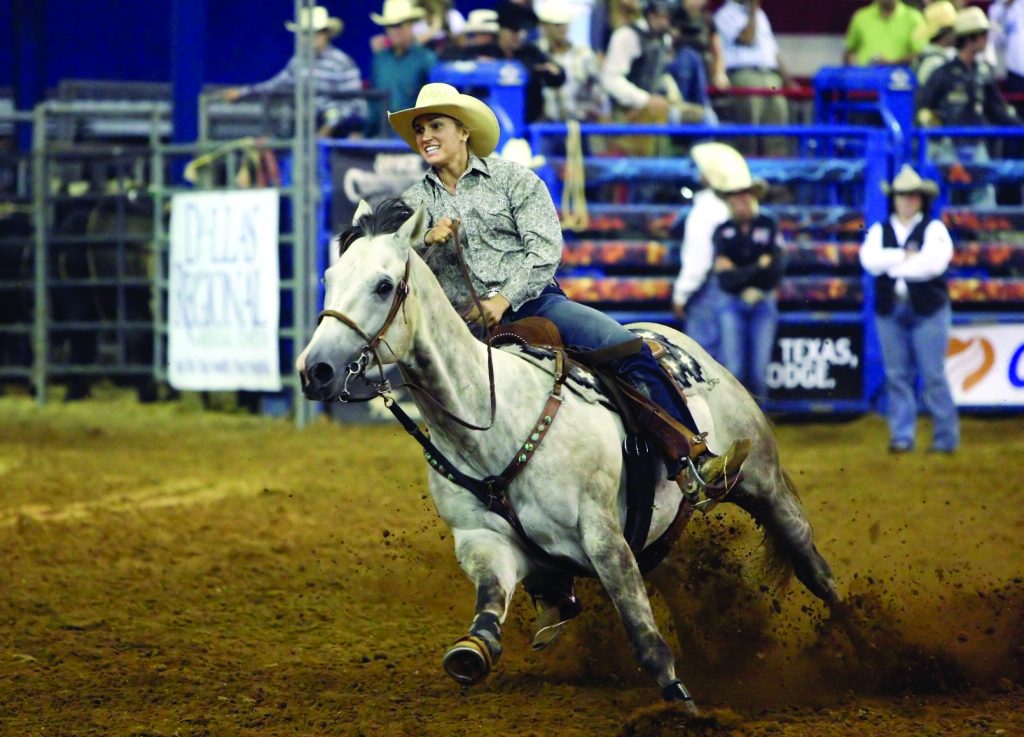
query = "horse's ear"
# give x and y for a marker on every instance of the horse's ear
(363, 209)
(413, 229)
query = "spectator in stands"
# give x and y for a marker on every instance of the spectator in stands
(512, 244)
(963, 92)
(514, 22)
(635, 75)
(688, 71)
(334, 75)
(939, 19)
(696, 298)
(696, 30)
(581, 97)
(748, 266)
(908, 255)
(441, 25)
(403, 66)
(481, 30)
(1007, 17)
(884, 32)
(752, 60)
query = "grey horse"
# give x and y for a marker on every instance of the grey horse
(570, 499)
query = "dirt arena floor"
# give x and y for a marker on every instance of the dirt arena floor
(169, 571)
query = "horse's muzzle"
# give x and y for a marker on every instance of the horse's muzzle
(321, 382)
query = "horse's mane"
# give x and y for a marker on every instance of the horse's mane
(387, 217)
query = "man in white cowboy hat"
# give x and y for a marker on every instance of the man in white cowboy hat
(581, 97)
(512, 243)
(403, 66)
(963, 92)
(884, 32)
(908, 254)
(334, 72)
(939, 19)
(749, 267)
(696, 297)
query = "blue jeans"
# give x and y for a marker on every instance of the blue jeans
(912, 346)
(701, 322)
(748, 334)
(587, 329)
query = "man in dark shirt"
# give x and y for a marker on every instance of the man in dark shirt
(963, 92)
(749, 266)
(514, 22)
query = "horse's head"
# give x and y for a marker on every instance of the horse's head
(363, 298)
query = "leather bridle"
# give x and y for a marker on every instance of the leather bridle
(382, 387)
(357, 369)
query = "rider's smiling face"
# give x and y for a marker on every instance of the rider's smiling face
(441, 140)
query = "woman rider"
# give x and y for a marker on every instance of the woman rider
(512, 243)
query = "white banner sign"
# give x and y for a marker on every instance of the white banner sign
(223, 291)
(985, 365)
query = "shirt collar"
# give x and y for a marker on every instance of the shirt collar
(475, 164)
(909, 226)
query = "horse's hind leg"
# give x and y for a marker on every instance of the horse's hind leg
(492, 566)
(616, 567)
(775, 505)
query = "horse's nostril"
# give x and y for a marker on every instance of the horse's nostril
(321, 373)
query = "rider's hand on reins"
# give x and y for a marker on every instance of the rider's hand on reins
(441, 232)
(494, 309)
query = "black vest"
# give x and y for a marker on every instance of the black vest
(926, 297)
(647, 68)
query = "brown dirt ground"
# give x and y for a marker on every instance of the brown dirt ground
(168, 571)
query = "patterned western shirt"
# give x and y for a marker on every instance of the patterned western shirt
(333, 72)
(510, 233)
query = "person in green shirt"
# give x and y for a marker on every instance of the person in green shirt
(886, 32)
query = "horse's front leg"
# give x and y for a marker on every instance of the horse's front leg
(492, 563)
(616, 566)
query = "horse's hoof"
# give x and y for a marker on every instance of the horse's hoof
(547, 636)
(468, 661)
(676, 691)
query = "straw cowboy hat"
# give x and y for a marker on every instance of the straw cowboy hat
(397, 11)
(554, 12)
(443, 99)
(481, 21)
(939, 17)
(909, 181)
(714, 159)
(970, 21)
(317, 19)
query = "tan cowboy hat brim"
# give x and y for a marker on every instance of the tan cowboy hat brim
(970, 21)
(757, 187)
(443, 99)
(333, 26)
(394, 20)
(926, 187)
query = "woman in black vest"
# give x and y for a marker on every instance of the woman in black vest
(908, 255)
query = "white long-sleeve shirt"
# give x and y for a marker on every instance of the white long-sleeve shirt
(1007, 35)
(930, 259)
(698, 251)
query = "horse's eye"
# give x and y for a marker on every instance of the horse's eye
(384, 287)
